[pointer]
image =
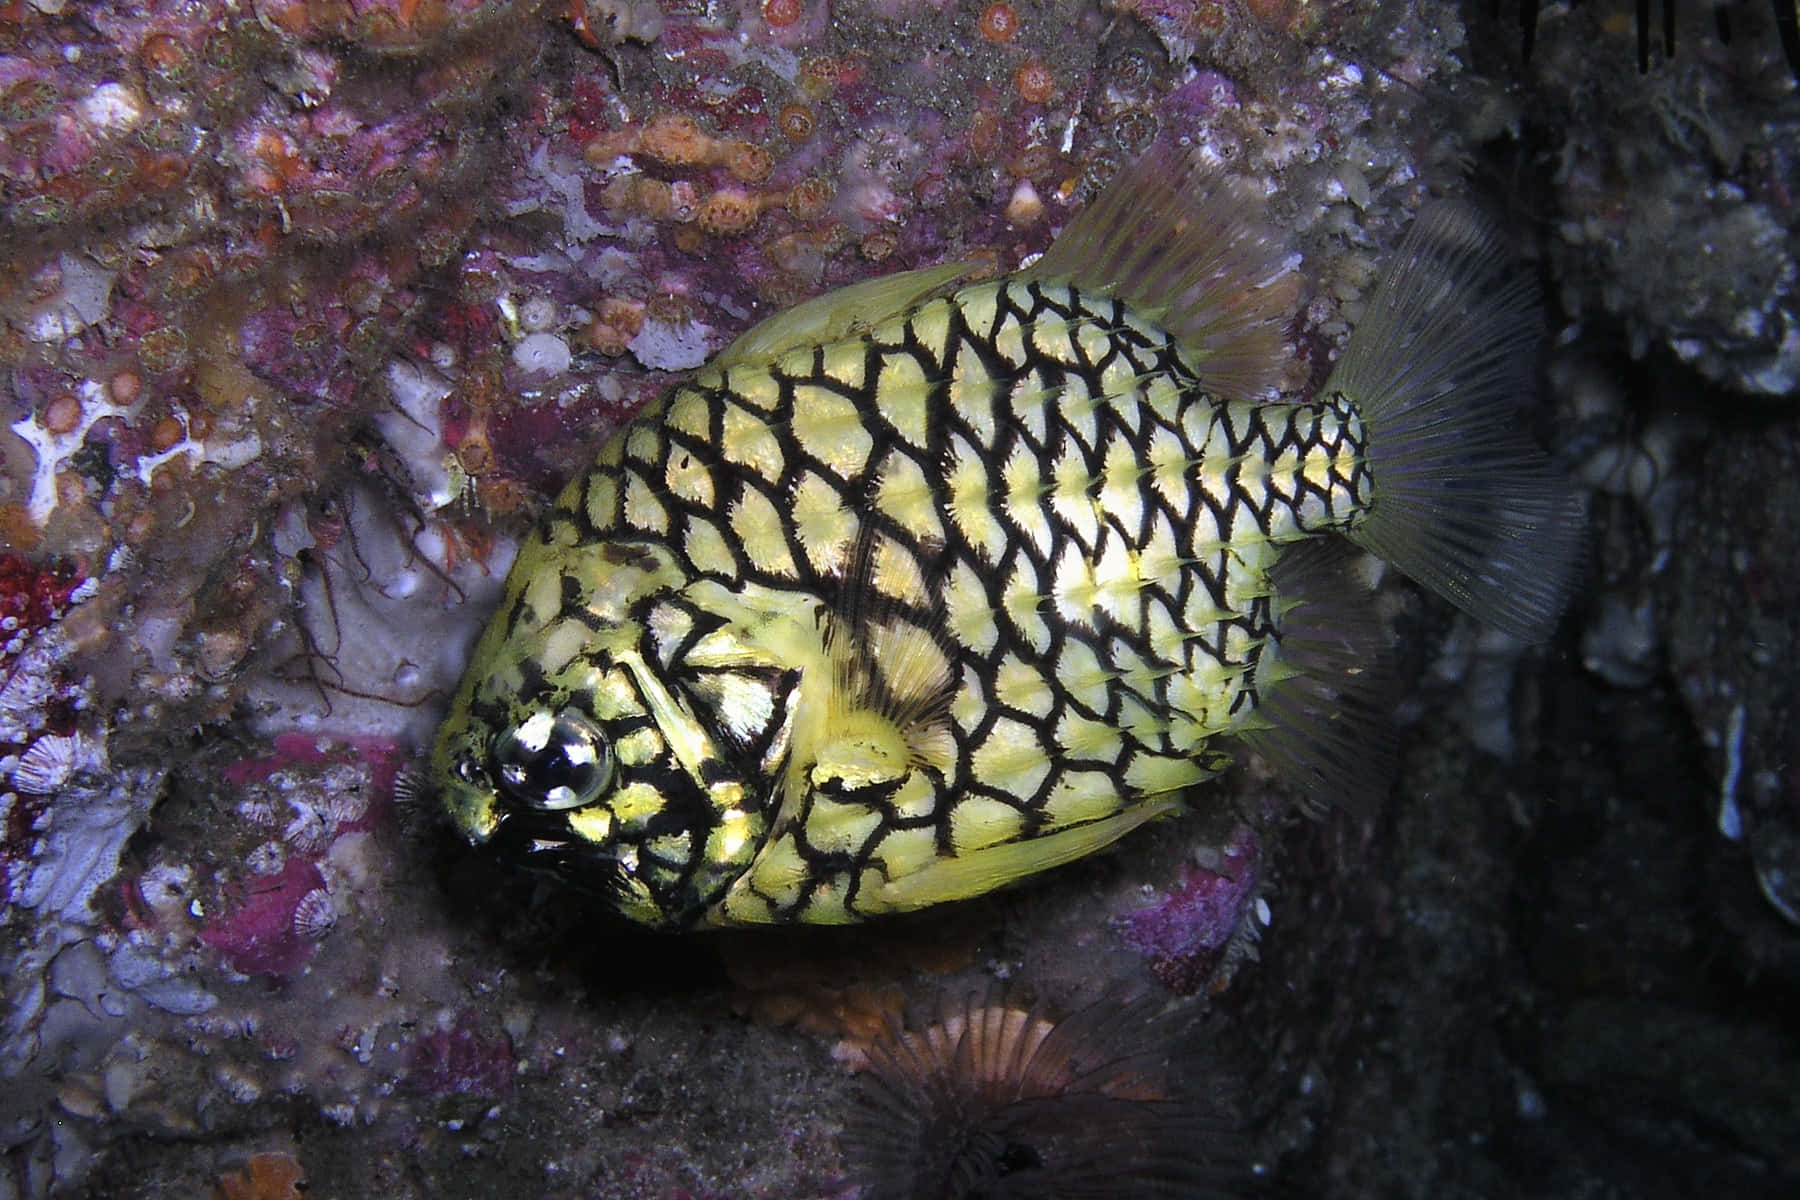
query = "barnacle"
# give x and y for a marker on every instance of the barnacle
(997, 1100)
(315, 915)
(49, 762)
(1132, 70)
(1135, 129)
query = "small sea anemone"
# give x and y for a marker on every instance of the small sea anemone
(807, 199)
(782, 13)
(747, 161)
(999, 1101)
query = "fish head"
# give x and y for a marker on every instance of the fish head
(576, 747)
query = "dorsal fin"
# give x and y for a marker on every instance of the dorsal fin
(1172, 238)
(840, 313)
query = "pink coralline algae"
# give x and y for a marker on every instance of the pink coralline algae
(1188, 935)
(258, 934)
(38, 707)
(309, 794)
(460, 1061)
(353, 775)
(32, 597)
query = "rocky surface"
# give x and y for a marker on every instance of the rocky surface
(304, 307)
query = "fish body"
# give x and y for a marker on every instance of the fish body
(931, 584)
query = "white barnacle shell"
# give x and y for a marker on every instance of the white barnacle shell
(49, 761)
(310, 830)
(267, 859)
(411, 787)
(315, 915)
(23, 690)
(346, 795)
(238, 1083)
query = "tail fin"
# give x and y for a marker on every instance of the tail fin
(1439, 369)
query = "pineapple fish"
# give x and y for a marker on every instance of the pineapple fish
(928, 585)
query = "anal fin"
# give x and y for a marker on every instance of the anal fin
(1326, 690)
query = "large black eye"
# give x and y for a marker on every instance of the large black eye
(553, 761)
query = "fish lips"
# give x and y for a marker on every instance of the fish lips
(544, 844)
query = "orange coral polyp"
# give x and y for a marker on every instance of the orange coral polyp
(796, 121)
(781, 13)
(747, 162)
(728, 211)
(676, 140)
(999, 22)
(1035, 83)
(62, 415)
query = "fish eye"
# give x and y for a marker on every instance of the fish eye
(553, 761)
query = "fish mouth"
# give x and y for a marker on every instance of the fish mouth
(543, 844)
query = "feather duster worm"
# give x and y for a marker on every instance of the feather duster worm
(999, 1101)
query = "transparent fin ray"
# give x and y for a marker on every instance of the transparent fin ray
(1324, 716)
(1439, 369)
(1172, 238)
